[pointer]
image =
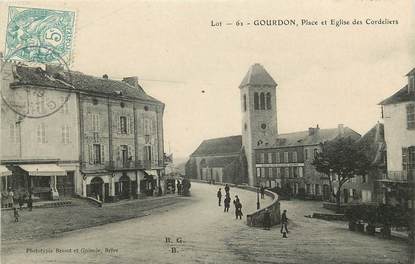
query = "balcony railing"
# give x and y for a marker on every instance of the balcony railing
(139, 164)
(399, 176)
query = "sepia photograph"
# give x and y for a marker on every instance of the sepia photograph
(210, 131)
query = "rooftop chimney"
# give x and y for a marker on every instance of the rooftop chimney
(53, 69)
(133, 81)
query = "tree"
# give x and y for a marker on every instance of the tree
(343, 158)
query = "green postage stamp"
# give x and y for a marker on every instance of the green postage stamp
(39, 35)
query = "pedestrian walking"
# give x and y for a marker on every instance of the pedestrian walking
(16, 214)
(30, 202)
(238, 207)
(284, 222)
(267, 219)
(179, 188)
(219, 195)
(10, 198)
(227, 203)
(262, 192)
(227, 189)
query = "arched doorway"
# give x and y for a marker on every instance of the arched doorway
(203, 165)
(96, 188)
(125, 187)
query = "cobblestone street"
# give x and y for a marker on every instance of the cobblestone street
(209, 235)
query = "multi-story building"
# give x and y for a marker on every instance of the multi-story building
(399, 119)
(105, 140)
(288, 162)
(366, 188)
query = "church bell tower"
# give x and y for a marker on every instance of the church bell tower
(259, 115)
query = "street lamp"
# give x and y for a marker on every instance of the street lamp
(257, 199)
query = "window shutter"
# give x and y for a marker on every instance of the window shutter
(97, 126)
(90, 154)
(43, 133)
(118, 125)
(68, 134)
(63, 134)
(130, 151)
(119, 153)
(102, 154)
(128, 125)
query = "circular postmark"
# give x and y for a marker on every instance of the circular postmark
(33, 92)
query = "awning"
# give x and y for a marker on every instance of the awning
(151, 172)
(43, 170)
(4, 171)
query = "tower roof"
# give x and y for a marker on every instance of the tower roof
(257, 75)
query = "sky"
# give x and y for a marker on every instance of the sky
(326, 75)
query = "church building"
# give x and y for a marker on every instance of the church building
(265, 157)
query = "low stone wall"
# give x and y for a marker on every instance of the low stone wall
(330, 217)
(257, 218)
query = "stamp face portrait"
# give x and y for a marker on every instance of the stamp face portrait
(30, 27)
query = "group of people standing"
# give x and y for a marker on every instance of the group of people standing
(227, 202)
(11, 200)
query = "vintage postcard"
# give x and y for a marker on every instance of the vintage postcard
(207, 131)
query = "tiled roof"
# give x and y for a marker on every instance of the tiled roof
(80, 82)
(399, 97)
(412, 72)
(219, 146)
(373, 143)
(304, 138)
(257, 75)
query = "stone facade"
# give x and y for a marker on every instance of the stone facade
(106, 138)
(399, 121)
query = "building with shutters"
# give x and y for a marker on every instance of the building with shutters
(398, 113)
(105, 141)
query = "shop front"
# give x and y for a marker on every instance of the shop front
(148, 185)
(41, 180)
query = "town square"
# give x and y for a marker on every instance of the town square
(207, 132)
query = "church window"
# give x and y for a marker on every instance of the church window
(244, 102)
(262, 101)
(245, 126)
(256, 101)
(268, 101)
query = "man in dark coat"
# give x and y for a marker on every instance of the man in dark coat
(227, 189)
(219, 195)
(179, 188)
(267, 219)
(262, 192)
(227, 203)
(30, 202)
(238, 207)
(284, 222)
